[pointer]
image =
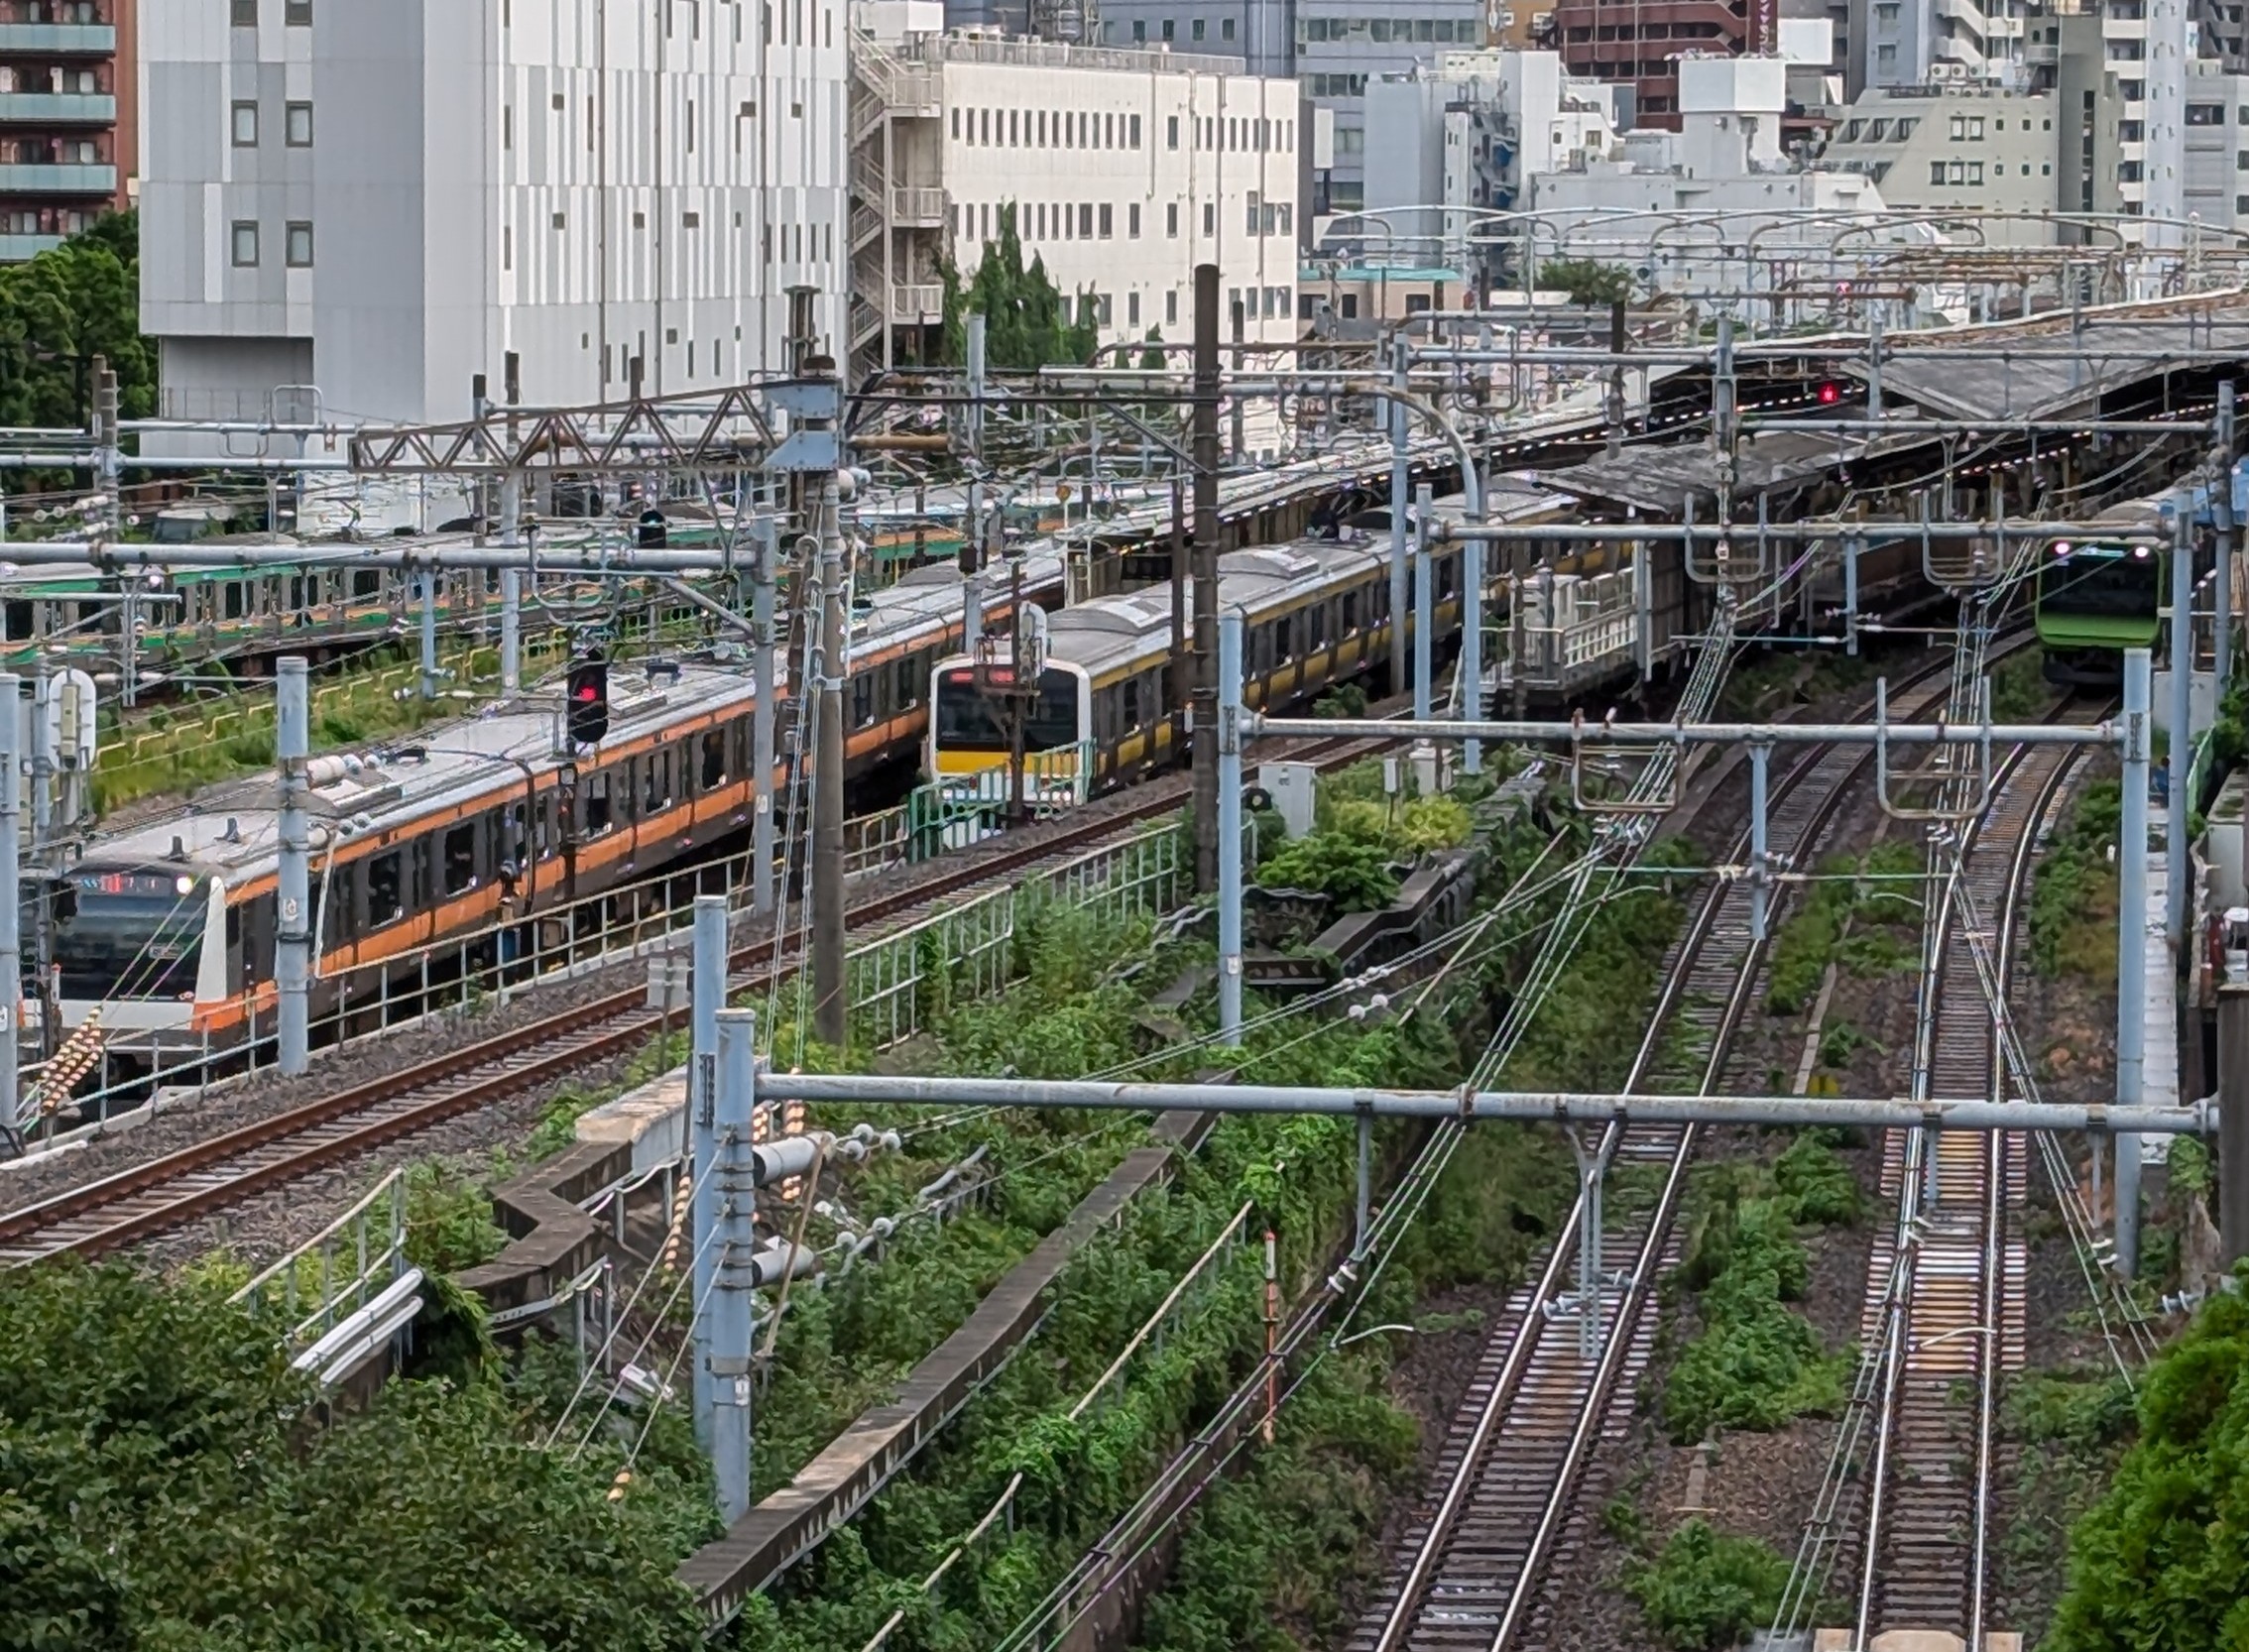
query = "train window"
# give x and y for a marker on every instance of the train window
(19, 621)
(384, 891)
(1448, 576)
(1349, 612)
(231, 592)
(657, 794)
(863, 700)
(599, 815)
(366, 583)
(1132, 702)
(909, 675)
(714, 760)
(460, 858)
(543, 824)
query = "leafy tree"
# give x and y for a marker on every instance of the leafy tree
(1587, 281)
(159, 1488)
(63, 307)
(1026, 320)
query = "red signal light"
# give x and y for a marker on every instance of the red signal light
(1830, 394)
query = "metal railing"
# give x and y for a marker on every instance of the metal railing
(340, 1270)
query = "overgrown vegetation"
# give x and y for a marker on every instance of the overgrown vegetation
(159, 1488)
(1756, 1363)
(1864, 912)
(2019, 689)
(1587, 281)
(2072, 919)
(2161, 1559)
(1705, 1591)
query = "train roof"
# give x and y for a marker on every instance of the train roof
(232, 829)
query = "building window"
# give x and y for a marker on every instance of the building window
(1171, 218)
(1198, 29)
(1108, 221)
(245, 243)
(1132, 139)
(297, 14)
(1170, 29)
(244, 13)
(1132, 220)
(2241, 204)
(1133, 310)
(1171, 306)
(296, 124)
(298, 247)
(246, 126)
(1139, 30)
(956, 123)
(1171, 132)
(2205, 114)
(1084, 220)
(1101, 303)
(1225, 29)
(1209, 217)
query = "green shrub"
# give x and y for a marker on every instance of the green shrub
(1706, 1591)
(1815, 1182)
(1355, 876)
(2073, 917)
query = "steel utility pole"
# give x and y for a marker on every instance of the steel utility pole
(1205, 707)
(706, 989)
(762, 715)
(829, 1006)
(292, 950)
(2131, 950)
(11, 892)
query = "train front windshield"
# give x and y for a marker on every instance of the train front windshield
(2100, 580)
(968, 721)
(128, 936)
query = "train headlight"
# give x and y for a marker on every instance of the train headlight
(2061, 548)
(183, 884)
(2140, 553)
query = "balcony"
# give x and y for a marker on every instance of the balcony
(58, 178)
(60, 108)
(58, 40)
(917, 208)
(918, 305)
(15, 249)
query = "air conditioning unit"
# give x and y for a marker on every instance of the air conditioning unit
(1506, 18)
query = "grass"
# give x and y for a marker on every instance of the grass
(1857, 914)
(2072, 921)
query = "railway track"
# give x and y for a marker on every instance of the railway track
(1947, 1315)
(1470, 1575)
(161, 1193)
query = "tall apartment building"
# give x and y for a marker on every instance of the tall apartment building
(1124, 169)
(353, 206)
(68, 118)
(1947, 148)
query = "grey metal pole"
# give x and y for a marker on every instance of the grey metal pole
(2131, 949)
(1472, 646)
(830, 1006)
(2180, 874)
(1235, 441)
(1366, 1201)
(511, 631)
(706, 997)
(1229, 828)
(2233, 1122)
(1398, 593)
(42, 763)
(429, 636)
(1204, 706)
(762, 715)
(11, 891)
(974, 325)
(1424, 605)
(1760, 868)
(1852, 546)
(733, 1240)
(972, 613)
(2221, 515)
(292, 947)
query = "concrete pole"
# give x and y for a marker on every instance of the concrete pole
(1229, 828)
(975, 328)
(2233, 1122)
(11, 891)
(2176, 903)
(293, 948)
(429, 636)
(761, 714)
(1472, 647)
(733, 1247)
(830, 1009)
(1235, 440)
(2131, 949)
(1852, 546)
(706, 997)
(1203, 707)
(1424, 606)
(1399, 469)
(43, 767)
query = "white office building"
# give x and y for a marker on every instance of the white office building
(1713, 211)
(350, 207)
(1124, 170)
(1450, 149)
